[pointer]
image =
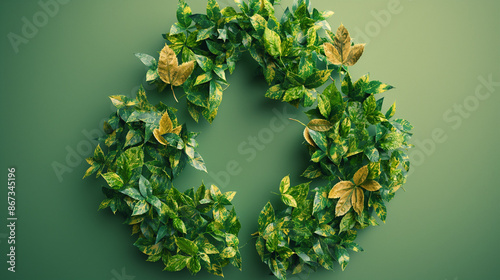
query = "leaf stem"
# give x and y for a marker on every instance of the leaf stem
(173, 92)
(297, 121)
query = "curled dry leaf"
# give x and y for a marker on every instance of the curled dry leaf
(166, 126)
(351, 194)
(170, 71)
(319, 125)
(341, 52)
(308, 138)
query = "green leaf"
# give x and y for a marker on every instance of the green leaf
(288, 200)
(215, 96)
(294, 93)
(133, 138)
(318, 78)
(179, 225)
(266, 216)
(213, 10)
(186, 246)
(390, 113)
(228, 252)
(183, 14)
(177, 263)
(113, 180)
(319, 139)
(205, 63)
(105, 203)
(306, 67)
(275, 92)
(392, 141)
(146, 59)
(342, 256)
(324, 105)
(203, 78)
(320, 201)
(278, 269)
(210, 249)
(336, 102)
(140, 208)
(375, 87)
(133, 193)
(272, 42)
(194, 265)
(311, 172)
(258, 23)
(145, 187)
(372, 153)
(325, 230)
(347, 222)
(195, 158)
(285, 184)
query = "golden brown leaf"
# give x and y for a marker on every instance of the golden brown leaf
(344, 204)
(355, 54)
(319, 125)
(342, 42)
(170, 71)
(360, 175)
(177, 130)
(166, 126)
(340, 188)
(371, 185)
(341, 52)
(358, 200)
(332, 54)
(308, 137)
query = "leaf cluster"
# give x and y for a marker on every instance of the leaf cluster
(144, 150)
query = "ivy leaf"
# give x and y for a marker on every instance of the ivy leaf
(319, 139)
(179, 225)
(145, 187)
(170, 71)
(341, 52)
(319, 125)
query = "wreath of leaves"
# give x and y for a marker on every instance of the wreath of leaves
(356, 149)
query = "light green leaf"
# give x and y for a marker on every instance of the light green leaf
(186, 246)
(113, 180)
(140, 208)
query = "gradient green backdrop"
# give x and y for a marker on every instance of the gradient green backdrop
(445, 226)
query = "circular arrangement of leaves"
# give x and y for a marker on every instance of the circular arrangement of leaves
(356, 149)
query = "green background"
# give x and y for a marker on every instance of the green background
(445, 226)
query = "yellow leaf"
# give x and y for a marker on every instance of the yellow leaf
(319, 125)
(360, 175)
(371, 185)
(342, 43)
(355, 54)
(170, 71)
(358, 200)
(166, 126)
(341, 52)
(340, 188)
(308, 137)
(344, 203)
(332, 54)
